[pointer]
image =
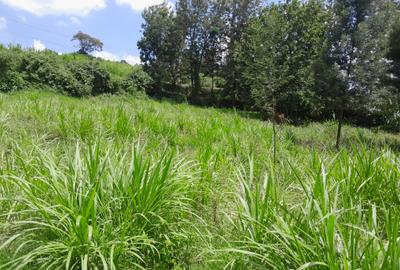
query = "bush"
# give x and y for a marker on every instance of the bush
(72, 74)
(141, 79)
(9, 61)
(90, 74)
(393, 119)
(124, 86)
(81, 78)
(11, 81)
(101, 79)
(138, 81)
(45, 68)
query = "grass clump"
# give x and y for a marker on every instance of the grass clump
(345, 215)
(103, 209)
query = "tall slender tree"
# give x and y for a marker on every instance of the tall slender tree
(279, 50)
(277, 53)
(342, 53)
(238, 15)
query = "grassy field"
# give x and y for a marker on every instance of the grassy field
(124, 183)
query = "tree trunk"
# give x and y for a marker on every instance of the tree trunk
(212, 84)
(196, 87)
(339, 130)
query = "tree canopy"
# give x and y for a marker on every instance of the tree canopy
(87, 43)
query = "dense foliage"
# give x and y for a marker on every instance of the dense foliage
(304, 59)
(75, 75)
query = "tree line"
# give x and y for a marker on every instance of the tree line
(304, 60)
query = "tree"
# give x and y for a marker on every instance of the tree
(262, 57)
(301, 47)
(372, 66)
(161, 47)
(87, 43)
(238, 15)
(193, 16)
(277, 53)
(215, 26)
(394, 54)
(304, 59)
(342, 53)
(391, 106)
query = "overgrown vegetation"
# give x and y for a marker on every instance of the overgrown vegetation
(71, 74)
(125, 183)
(308, 60)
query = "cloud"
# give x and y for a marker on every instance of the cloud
(107, 56)
(75, 20)
(72, 20)
(61, 23)
(38, 46)
(57, 7)
(3, 23)
(139, 5)
(130, 59)
(22, 18)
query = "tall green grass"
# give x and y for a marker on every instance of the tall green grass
(346, 215)
(104, 209)
(127, 183)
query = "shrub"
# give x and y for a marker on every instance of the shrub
(45, 68)
(93, 76)
(11, 81)
(10, 78)
(392, 113)
(393, 121)
(9, 60)
(72, 74)
(137, 82)
(140, 79)
(124, 86)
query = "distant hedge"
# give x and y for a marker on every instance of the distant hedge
(75, 76)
